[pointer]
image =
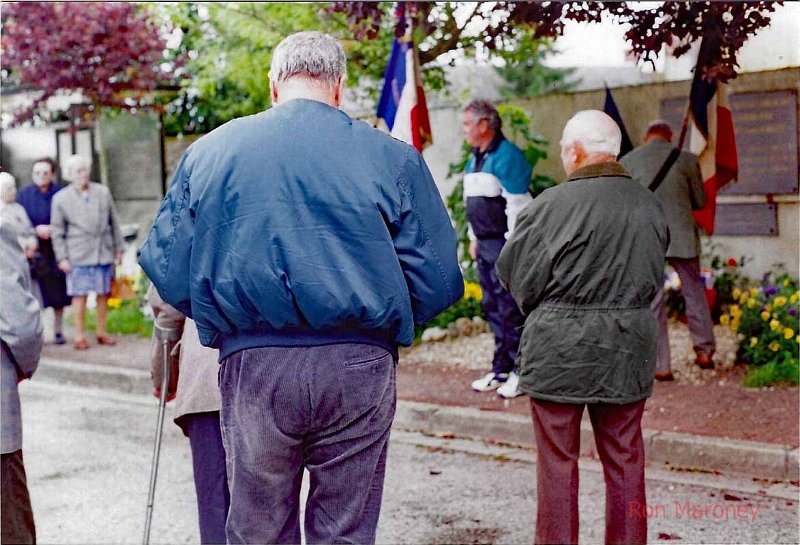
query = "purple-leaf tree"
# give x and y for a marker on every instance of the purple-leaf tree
(110, 52)
(675, 25)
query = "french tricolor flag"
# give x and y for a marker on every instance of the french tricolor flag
(712, 136)
(402, 109)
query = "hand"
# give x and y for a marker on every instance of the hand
(44, 231)
(118, 258)
(473, 249)
(30, 251)
(64, 266)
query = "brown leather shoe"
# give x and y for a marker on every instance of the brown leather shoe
(105, 339)
(81, 344)
(703, 361)
(665, 377)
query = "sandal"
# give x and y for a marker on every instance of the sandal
(81, 344)
(106, 340)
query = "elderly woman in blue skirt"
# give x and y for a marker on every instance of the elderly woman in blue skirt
(87, 243)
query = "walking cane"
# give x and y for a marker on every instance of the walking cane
(164, 337)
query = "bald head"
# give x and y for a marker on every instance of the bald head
(589, 137)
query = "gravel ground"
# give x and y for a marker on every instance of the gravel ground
(475, 353)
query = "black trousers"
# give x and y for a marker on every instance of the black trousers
(16, 515)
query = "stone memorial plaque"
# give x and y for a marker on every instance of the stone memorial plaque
(766, 140)
(745, 219)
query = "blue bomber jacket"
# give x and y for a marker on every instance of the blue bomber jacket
(298, 226)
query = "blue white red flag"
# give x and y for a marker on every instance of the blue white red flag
(712, 137)
(402, 110)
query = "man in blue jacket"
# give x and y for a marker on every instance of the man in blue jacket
(496, 181)
(305, 246)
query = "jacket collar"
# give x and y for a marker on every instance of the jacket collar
(598, 170)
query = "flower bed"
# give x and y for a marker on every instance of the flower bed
(765, 319)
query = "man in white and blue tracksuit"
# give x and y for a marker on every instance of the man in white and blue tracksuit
(305, 245)
(496, 181)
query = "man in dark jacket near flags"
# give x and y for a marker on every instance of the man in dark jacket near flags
(584, 263)
(680, 192)
(305, 246)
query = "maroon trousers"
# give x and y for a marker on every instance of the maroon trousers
(618, 435)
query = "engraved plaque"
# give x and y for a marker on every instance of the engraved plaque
(766, 140)
(746, 219)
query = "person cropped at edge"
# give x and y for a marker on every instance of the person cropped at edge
(193, 383)
(87, 243)
(680, 192)
(36, 199)
(496, 180)
(305, 245)
(21, 336)
(15, 215)
(584, 265)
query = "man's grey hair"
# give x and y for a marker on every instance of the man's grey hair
(483, 109)
(8, 186)
(310, 54)
(73, 163)
(595, 131)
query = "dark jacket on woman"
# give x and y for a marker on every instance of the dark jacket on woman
(584, 263)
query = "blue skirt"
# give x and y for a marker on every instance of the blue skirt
(90, 278)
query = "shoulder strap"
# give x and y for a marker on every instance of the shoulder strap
(662, 172)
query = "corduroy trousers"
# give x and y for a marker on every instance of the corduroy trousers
(328, 409)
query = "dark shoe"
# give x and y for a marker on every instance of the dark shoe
(703, 361)
(81, 344)
(59, 339)
(106, 340)
(665, 377)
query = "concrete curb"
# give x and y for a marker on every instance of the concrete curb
(671, 449)
(676, 450)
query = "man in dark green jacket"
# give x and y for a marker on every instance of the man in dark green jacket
(584, 264)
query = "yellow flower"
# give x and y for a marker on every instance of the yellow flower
(735, 310)
(724, 319)
(753, 292)
(774, 346)
(751, 303)
(736, 293)
(786, 283)
(793, 298)
(780, 301)
(768, 307)
(788, 333)
(735, 325)
(114, 302)
(743, 298)
(472, 291)
(765, 315)
(753, 341)
(774, 315)
(774, 325)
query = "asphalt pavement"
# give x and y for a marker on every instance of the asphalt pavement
(88, 450)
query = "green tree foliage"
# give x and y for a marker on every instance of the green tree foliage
(225, 49)
(524, 67)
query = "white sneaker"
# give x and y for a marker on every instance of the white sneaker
(487, 384)
(510, 388)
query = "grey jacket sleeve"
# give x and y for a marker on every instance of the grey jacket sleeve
(697, 191)
(20, 315)
(114, 220)
(58, 223)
